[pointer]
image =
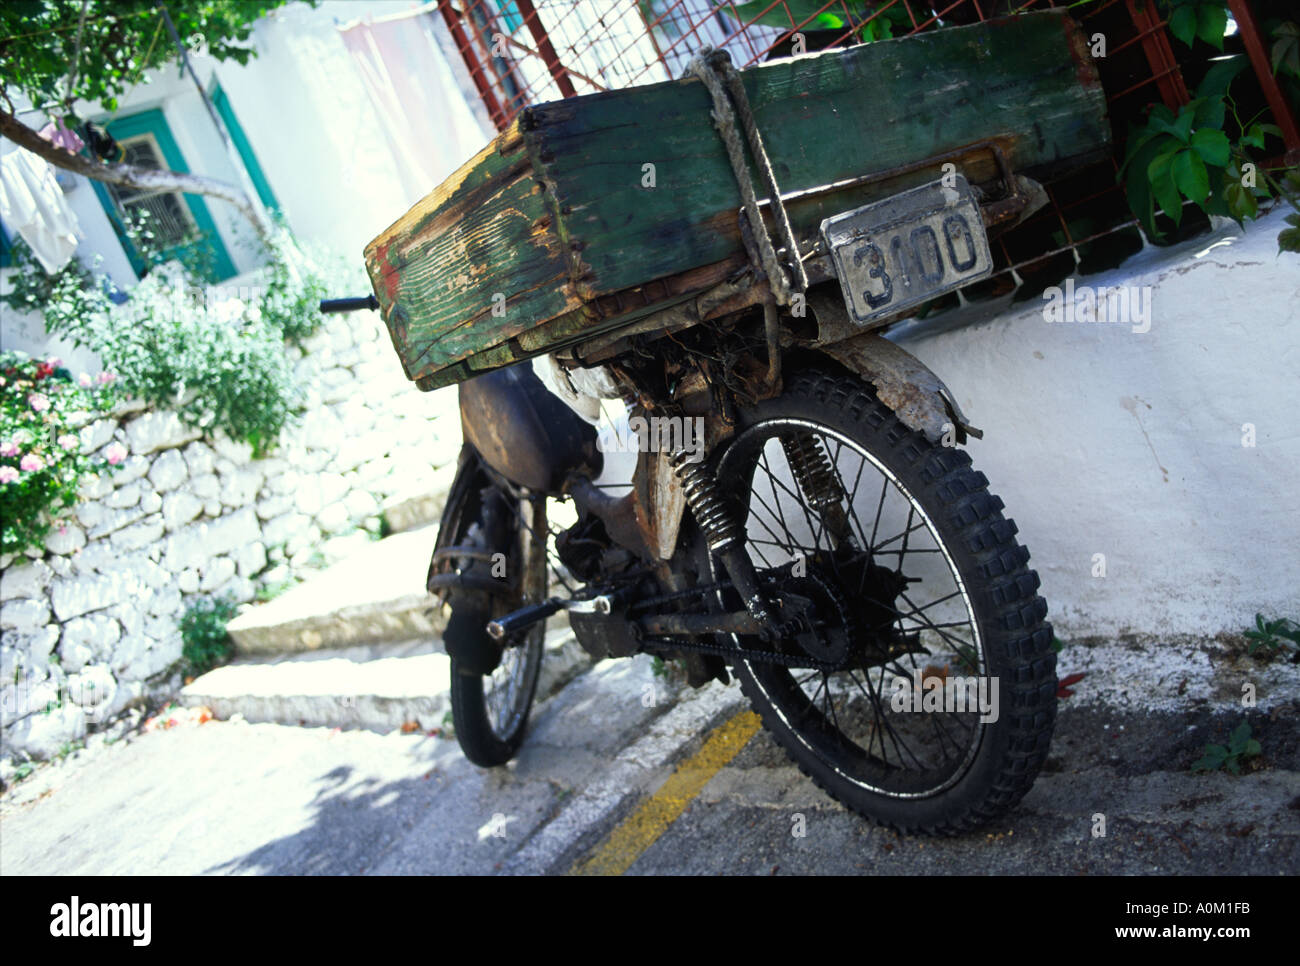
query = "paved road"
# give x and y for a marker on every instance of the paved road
(611, 781)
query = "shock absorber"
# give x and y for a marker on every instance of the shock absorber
(721, 532)
(817, 481)
(700, 488)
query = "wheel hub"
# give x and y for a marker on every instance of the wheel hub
(843, 611)
(815, 617)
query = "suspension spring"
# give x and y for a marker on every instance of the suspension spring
(817, 480)
(711, 512)
(812, 469)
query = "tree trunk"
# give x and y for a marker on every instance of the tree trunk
(132, 176)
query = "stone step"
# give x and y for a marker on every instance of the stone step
(420, 507)
(377, 687)
(375, 595)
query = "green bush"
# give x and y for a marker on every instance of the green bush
(203, 632)
(295, 285)
(41, 457)
(191, 251)
(179, 344)
(1274, 637)
(1208, 153)
(212, 363)
(60, 297)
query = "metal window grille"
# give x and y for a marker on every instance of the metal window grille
(168, 217)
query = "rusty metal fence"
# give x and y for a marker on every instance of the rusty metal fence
(522, 52)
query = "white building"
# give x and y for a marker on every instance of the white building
(311, 119)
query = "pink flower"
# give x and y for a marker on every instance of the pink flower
(115, 453)
(8, 448)
(84, 380)
(8, 474)
(38, 402)
(68, 441)
(54, 362)
(105, 378)
(31, 463)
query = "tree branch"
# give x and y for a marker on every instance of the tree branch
(130, 175)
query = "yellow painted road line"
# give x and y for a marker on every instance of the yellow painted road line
(626, 843)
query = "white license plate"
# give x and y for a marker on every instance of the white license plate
(894, 254)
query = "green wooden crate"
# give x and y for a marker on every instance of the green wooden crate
(550, 234)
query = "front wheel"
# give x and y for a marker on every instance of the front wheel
(490, 711)
(491, 700)
(917, 683)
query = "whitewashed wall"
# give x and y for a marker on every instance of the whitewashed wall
(314, 130)
(1105, 441)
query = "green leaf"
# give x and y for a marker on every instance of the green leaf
(1161, 178)
(1212, 146)
(881, 28)
(1288, 240)
(1161, 113)
(1136, 144)
(1219, 181)
(1211, 22)
(1190, 176)
(1240, 735)
(777, 16)
(1210, 112)
(1212, 758)
(1220, 75)
(1138, 191)
(1286, 49)
(1180, 127)
(1182, 24)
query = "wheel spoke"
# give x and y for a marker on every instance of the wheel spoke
(848, 713)
(774, 482)
(927, 625)
(850, 496)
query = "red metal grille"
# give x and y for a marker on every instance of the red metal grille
(522, 52)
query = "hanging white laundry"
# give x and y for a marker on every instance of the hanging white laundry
(32, 204)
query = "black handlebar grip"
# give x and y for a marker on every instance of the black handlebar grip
(348, 305)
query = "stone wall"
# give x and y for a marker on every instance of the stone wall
(91, 627)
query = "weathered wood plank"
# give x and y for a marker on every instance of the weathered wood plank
(825, 118)
(486, 233)
(553, 214)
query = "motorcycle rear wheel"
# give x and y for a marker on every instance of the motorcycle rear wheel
(919, 579)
